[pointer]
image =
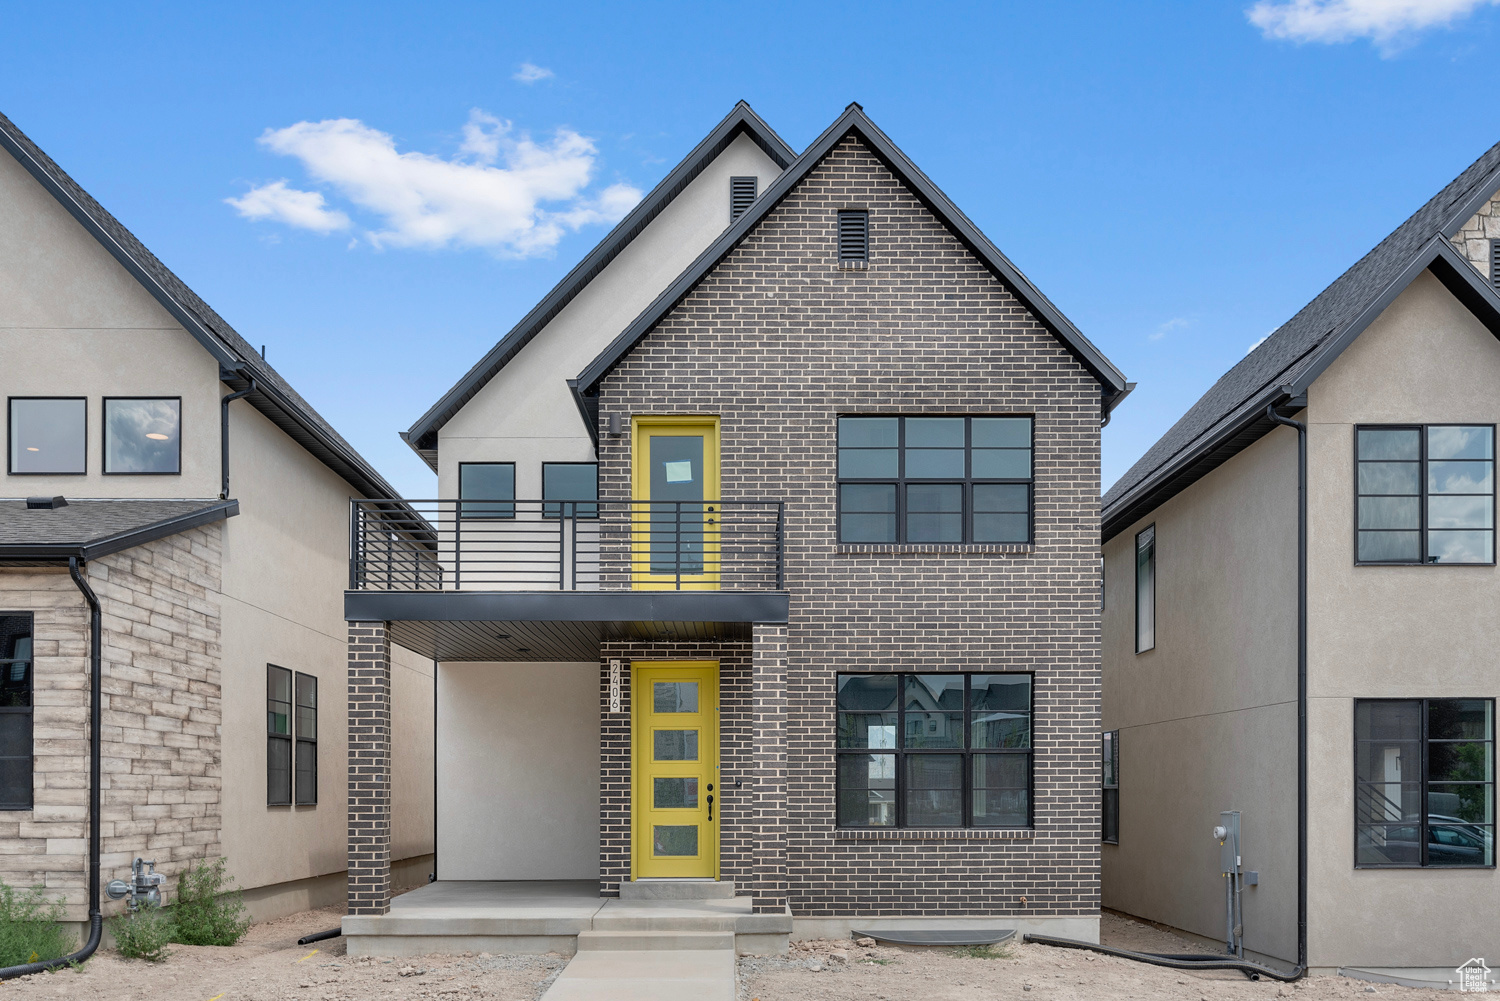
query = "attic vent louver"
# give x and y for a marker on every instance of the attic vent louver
(1495, 265)
(854, 239)
(45, 503)
(742, 191)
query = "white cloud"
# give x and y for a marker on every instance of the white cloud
(279, 203)
(501, 191)
(531, 73)
(1176, 323)
(1385, 22)
(1260, 342)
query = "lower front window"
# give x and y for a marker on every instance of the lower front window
(934, 750)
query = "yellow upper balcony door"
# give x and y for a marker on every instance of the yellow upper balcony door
(676, 770)
(675, 521)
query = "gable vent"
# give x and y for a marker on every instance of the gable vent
(742, 191)
(1495, 265)
(854, 236)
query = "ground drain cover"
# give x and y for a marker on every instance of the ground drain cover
(939, 936)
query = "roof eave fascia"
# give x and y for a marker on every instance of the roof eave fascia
(1447, 265)
(190, 322)
(854, 120)
(1466, 209)
(270, 401)
(742, 119)
(1437, 255)
(60, 553)
(1242, 416)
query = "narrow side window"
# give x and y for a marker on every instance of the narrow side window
(1110, 788)
(1145, 589)
(16, 748)
(278, 736)
(307, 740)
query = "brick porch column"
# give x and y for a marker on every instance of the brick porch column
(369, 768)
(768, 742)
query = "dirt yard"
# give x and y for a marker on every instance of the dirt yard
(269, 965)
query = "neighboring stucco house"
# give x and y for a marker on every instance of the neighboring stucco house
(1380, 633)
(206, 507)
(767, 568)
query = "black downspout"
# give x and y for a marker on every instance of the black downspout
(1301, 430)
(96, 718)
(433, 877)
(224, 403)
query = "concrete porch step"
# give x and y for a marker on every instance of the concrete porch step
(677, 889)
(654, 941)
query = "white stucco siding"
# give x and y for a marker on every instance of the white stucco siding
(1208, 718)
(1393, 632)
(74, 323)
(526, 414)
(518, 771)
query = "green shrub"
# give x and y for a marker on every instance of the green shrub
(207, 911)
(31, 927)
(143, 934)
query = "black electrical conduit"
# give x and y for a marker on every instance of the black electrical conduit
(96, 686)
(224, 402)
(319, 936)
(1183, 961)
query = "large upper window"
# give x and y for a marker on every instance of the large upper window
(15, 711)
(934, 750)
(1145, 589)
(141, 435)
(48, 434)
(935, 479)
(1424, 782)
(570, 481)
(1426, 494)
(487, 489)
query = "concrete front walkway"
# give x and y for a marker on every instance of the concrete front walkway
(650, 975)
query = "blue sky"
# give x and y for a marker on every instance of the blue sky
(1178, 179)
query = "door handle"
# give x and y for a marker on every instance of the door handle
(710, 807)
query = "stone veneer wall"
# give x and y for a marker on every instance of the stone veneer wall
(161, 717)
(1473, 240)
(778, 341)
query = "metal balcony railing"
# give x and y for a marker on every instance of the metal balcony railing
(532, 545)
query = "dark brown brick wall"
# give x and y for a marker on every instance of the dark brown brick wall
(778, 341)
(369, 890)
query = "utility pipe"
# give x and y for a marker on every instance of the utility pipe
(96, 718)
(1301, 430)
(224, 402)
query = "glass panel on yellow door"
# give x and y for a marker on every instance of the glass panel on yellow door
(677, 513)
(674, 696)
(674, 794)
(674, 839)
(675, 745)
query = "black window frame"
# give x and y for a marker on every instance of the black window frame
(579, 508)
(1155, 587)
(10, 429)
(499, 502)
(29, 711)
(104, 436)
(1423, 497)
(1423, 822)
(273, 797)
(304, 744)
(966, 483)
(863, 215)
(1109, 782)
(900, 753)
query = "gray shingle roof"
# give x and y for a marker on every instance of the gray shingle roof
(89, 529)
(274, 396)
(1303, 346)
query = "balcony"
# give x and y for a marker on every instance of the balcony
(563, 574)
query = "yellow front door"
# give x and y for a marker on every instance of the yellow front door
(676, 759)
(675, 518)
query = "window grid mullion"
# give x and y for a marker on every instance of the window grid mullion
(900, 750)
(1422, 832)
